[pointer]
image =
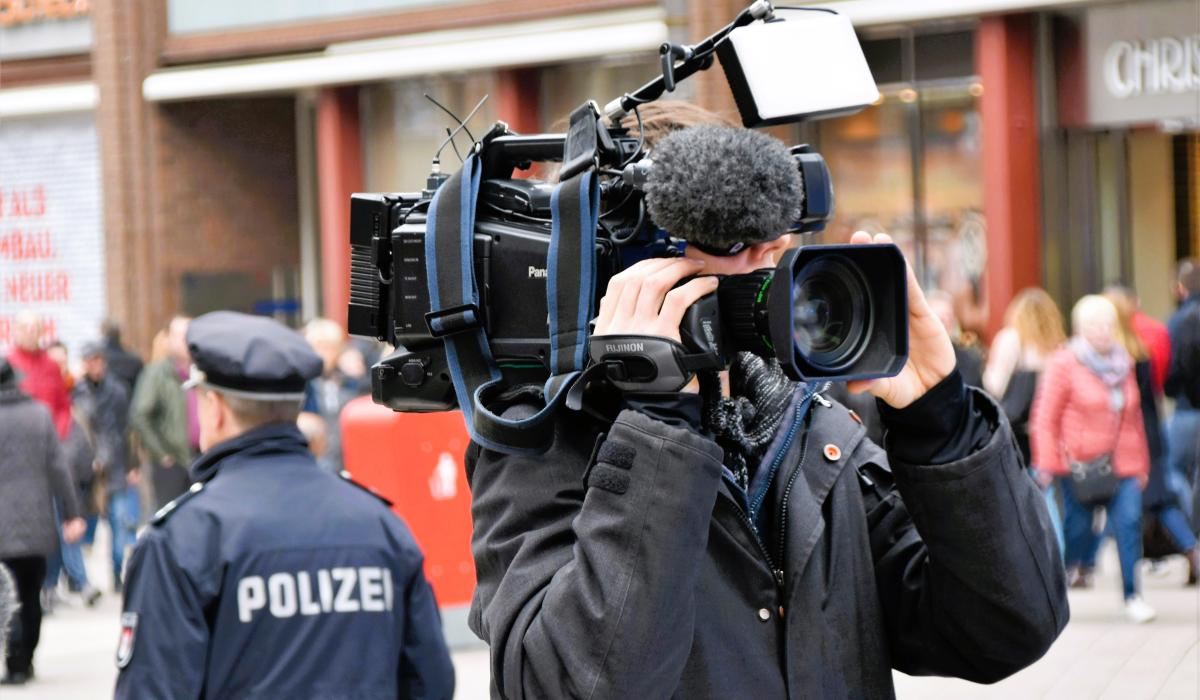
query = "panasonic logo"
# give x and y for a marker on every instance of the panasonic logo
(537, 273)
(624, 347)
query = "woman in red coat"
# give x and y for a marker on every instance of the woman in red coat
(1087, 406)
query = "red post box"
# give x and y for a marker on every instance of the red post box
(415, 460)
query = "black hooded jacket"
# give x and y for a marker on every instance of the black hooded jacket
(626, 562)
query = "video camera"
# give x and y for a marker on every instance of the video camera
(830, 312)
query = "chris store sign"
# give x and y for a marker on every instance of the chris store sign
(1144, 63)
(1153, 67)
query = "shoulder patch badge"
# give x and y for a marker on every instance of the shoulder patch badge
(345, 476)
(129, 622)
(165, 512)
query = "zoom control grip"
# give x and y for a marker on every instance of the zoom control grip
(642, 362)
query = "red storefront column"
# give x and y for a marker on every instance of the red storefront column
(339, 174)
(1004, 55)
(517, 102)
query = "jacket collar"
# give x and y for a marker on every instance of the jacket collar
(820, 466)
(266, 439)
(829, 424)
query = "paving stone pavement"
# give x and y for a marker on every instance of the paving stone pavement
(1098, 656)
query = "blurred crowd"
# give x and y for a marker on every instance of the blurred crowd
(1099, 400)
(106, 437)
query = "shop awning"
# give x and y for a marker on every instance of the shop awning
(48, 99)
(508, 45)
(868, 13)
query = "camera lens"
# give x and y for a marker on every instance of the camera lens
(831, 312)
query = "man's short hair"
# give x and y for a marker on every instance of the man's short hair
(1189, 274)
(252, 413)
(668, 116)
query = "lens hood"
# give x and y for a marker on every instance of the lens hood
(840, 312)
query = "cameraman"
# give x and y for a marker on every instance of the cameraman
(758, 545)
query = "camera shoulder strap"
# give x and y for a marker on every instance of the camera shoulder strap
(458, 320)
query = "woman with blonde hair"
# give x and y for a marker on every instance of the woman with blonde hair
(1087, 433)
(1033, 330)
(1166, 528)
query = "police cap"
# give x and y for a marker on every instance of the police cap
(250, 356)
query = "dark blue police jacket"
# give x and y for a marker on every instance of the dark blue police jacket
(276, 579)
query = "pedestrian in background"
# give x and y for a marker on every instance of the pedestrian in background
(163, 415)
(966, 350)
(1033, 330)
(270, 577)
(103, 402)
(329, 393)
(1183, 385)
(1088, 409)
(33, 472)
(1151, 333)
(67, 557)
(41, 377)
(1161, 506)
(123, 365)
(57, 350)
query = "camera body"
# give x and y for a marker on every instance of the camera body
(389, 297)
(825, 312)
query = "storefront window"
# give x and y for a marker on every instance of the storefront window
(869, 157)
(955, 246)
(911, 166)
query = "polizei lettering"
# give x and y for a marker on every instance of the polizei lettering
(624, 347)
(344, 589)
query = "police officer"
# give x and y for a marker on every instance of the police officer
(270, 577)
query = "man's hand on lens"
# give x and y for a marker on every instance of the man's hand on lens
(643, 299)
(930, 353)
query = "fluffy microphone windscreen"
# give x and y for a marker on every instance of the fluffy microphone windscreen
(719, 185)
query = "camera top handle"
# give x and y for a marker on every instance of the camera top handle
(694, 59)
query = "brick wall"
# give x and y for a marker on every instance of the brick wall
(207, 186)
(226, 190)
(126, 35)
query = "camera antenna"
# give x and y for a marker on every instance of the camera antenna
(453, 116)
(450, 133)
(436, 176)
(462, 126)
